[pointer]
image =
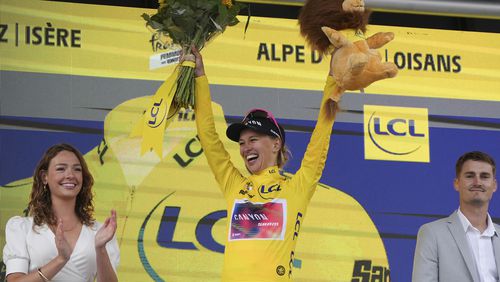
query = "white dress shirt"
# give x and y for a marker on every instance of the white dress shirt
(26, 250)
(482, 248)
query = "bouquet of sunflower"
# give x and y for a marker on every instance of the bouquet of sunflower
(191, 22)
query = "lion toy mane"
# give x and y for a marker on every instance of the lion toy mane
(356, 64)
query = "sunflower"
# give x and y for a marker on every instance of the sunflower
(227, 3)
(187, 23)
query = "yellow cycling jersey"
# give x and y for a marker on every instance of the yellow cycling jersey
(265, 210)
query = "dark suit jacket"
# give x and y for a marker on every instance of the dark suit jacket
(443, 254)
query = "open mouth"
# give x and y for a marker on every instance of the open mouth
(251, 158)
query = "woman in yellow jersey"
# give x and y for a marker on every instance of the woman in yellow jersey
(265, 209)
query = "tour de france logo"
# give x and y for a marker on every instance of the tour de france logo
(396, 133)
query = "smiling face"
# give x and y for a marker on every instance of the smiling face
(475, 183)
(64, 176)
(259, 151)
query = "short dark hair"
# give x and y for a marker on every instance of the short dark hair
(474, 156)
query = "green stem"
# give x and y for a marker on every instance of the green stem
(184, 95)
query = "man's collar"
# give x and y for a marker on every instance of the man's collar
(463, 220)
(489, 231)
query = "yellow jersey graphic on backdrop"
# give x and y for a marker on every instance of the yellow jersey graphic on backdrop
(396, 133)
(172, 216)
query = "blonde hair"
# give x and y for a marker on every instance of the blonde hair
(283, 156)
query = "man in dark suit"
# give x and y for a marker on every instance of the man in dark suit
(464, 246)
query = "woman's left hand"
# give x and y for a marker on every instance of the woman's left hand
(199, 70)
(107, 231)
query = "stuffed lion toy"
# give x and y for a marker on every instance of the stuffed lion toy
(355, 64)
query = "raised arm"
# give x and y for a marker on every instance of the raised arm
(314, 159)
(217, 156)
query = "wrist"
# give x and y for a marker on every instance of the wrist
(100, 249)
(40, 273)
(61, 260)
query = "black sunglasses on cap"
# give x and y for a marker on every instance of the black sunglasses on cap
(259, 120)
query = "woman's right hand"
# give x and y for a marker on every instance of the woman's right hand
(199, 70)
(63, 248)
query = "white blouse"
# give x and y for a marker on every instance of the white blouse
(27, 250)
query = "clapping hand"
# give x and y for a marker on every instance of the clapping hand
(63, 248)
(107, 231)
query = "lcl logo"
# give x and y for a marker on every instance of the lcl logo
(396, 133)
(406, 128)
(156, 113)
